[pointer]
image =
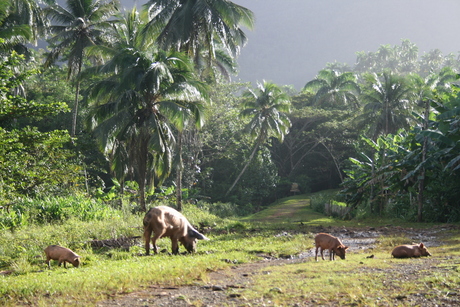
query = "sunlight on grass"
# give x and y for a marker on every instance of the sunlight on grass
(285, 229)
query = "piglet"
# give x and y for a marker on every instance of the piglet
(333, 244)
(62, 255)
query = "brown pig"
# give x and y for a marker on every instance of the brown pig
(409, 251)
(333, 244)
(62, 255)
(165, 221)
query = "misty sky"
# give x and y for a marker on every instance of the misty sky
(294, 39)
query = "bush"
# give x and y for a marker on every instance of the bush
(318, 200)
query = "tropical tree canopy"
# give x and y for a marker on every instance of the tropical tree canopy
(146, 90)
(332, 88)
(266, 109)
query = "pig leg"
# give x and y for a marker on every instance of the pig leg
(156, 236)
(316, 253)
(331, 255)
(147, 235)
(175, 246)
(322, 253)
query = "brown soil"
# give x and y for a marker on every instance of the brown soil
(225, 288)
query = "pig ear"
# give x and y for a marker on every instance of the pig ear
(421, 245)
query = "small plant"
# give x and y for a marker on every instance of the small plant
(391, 241)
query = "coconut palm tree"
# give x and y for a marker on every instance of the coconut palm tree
(199, 27)
(21, 22)
(78, 25)
(332, 88)
(267, 108)
(423, 90)
(11, 33)
(408, 56)
(386, 104)
(146, 91)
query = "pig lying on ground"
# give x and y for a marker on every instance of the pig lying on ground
(167, 222)
(409, 251)
(62, 255)
(333, 244)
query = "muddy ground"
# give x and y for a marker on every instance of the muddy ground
(225, 287)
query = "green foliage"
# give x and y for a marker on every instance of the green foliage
(51, 210)
(318, 200)
(31, 162)
(225, 210)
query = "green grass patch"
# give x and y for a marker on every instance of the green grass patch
(319, 283)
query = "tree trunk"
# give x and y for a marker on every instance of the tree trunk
(75, 111)
(142, 195)
(75, 107)
(180, 167)
(421, 183)
(141, 161)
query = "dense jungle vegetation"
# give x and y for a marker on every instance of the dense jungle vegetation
(126, 108)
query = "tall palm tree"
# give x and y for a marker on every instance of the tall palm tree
(145, 92)
(431, 62)
(209, 31)
(78, 25)
(408, 55)
(267, 108)
(423, 90)
(386, 104)
(199, 27)
(332, 88)
(387, 108)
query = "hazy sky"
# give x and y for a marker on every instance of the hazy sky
(294, 39)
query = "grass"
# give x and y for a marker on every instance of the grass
(107, 272)
(357, 281)
(317, 282)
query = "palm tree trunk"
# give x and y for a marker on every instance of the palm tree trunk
(142, 195)
(180, 167)
(75, 107)
(421, 183)
(141, 161)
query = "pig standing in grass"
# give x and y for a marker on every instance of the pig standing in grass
(409, 251)
(164, 221)
(62, 255)
(333, 244)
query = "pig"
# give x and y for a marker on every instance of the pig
(165, 221)
(62, 255)
(409, 251)
(333, 244)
